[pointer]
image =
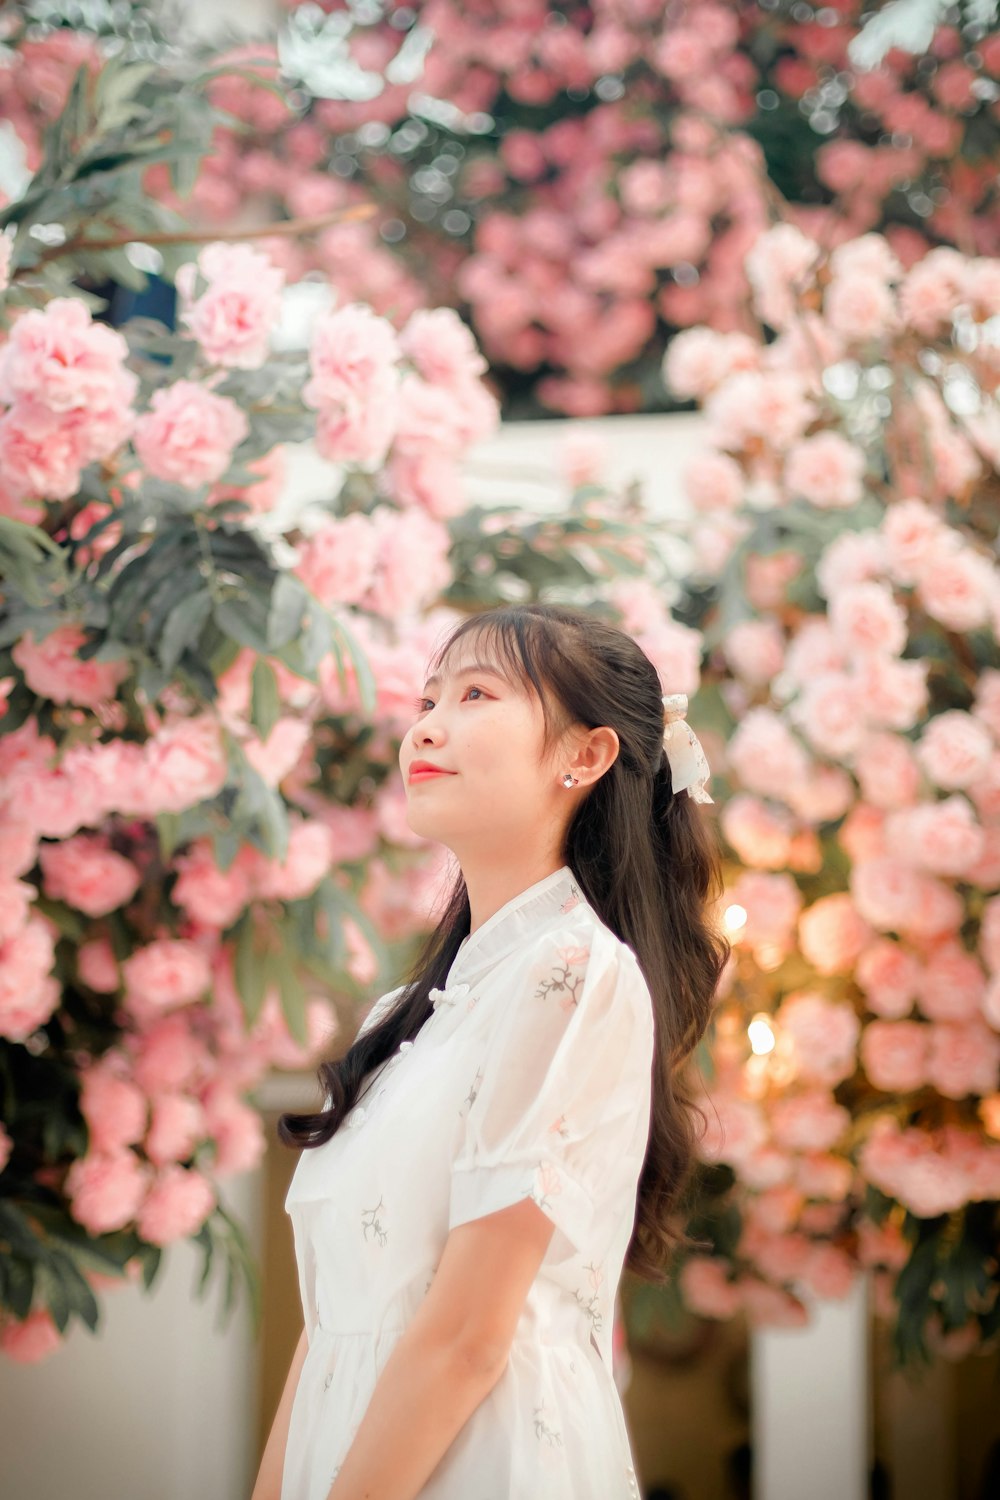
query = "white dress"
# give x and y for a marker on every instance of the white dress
(531, 1078)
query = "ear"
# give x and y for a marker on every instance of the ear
(594, 755)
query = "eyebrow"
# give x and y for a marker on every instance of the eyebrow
(476, 666)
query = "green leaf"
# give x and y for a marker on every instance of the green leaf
(283, 974)
(251, 977)
(183, 628)
(265, 700)
(288, 600)
(244, 621)
(19, 1292)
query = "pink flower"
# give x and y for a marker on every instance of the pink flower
(236, 1129)
(276, 756)
(887, 771)
(61, 358)
(779, 266)
(957, 588)
(987, 704)
(233, 317)
(772, 904)
(942, 837)
(913, 534)
(352, 359)
(952, 984)
(812, 1121)
(28, 993)
(853, 557)
(207, 894)
(714, 481)
(890, 977)
(859, 307)
(166, 973)
(735, 1129)
(358, 434)
(177, 1205)
(105, 1189)
(87, 875)
(16, 897)
(675, 650)
(752, 406)
(411, 557)
(441, 347)
(189, 434)
(820, 1175)
(954, 750)
(824, 1035)
(700, 359)
(178, 1124)
(894, 693)
(30, 1340)
(832, 934)
(826, 470)
(963, 1059)
(431, 481)
(760, 833)
(186, 763)
(706, 1288)
(337, 563)
(6, 1147)
(755, 649)
(168, 1057)
(308, 858)
(830, 711)
(769, 1307)
(865, 618)
(823, 797)
(433, 416)
(765, 755)
(97, 966)
(53, 669)
(829, 1272)
(931, 290)
(812, 651)
(112, 1105)
(894, 1055)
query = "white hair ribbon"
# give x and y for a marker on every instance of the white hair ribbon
(689, 768)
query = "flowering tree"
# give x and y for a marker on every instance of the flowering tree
(846, 541)
(583, 180)
(203, 847)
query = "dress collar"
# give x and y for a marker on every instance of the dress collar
(513, 922)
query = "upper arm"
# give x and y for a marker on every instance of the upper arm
(483, 1278)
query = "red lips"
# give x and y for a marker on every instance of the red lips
(427, 768)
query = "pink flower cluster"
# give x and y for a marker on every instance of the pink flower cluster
(237, 307)
(419, 392)
(68, 399)
(847, 752)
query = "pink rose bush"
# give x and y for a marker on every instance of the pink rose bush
(204, 858)
(594, 184)
(857, 1036)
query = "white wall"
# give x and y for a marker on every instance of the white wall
(156, 1406)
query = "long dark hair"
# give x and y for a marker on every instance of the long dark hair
(646, 861)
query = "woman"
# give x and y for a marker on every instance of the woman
(524, 1130)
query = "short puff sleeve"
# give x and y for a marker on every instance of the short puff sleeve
(561, 1110)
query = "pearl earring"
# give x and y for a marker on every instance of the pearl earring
(570, 780)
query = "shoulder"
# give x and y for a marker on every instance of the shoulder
(580, 941)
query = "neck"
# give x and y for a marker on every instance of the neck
(491, 887)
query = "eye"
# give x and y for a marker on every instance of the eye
(418, 703)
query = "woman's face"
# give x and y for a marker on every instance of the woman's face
(487, 733)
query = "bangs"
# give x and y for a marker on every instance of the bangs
(515, 645)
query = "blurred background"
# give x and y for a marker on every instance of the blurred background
(324, 325)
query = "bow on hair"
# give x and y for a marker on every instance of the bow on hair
(689, 768)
